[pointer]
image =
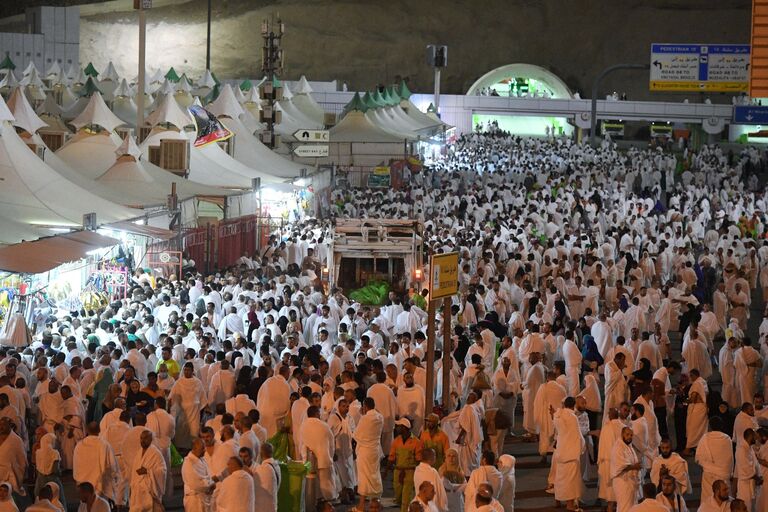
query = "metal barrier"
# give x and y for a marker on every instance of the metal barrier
(216, 246)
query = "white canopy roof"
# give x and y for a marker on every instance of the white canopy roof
(14, 232)
(25, 116)
(226, 104)
(123, 89)
(97, 112)
(34, 193)
(49, 106)
(9, 80)
(5, 112)
(54, 70)
(94, 157)
(206, 80)
(125, 108)
(355, 127)
(128, 148)
(307, 105)
(110, 73)
(250, 151)
(169, 111)
(31, 68)
(303, 86)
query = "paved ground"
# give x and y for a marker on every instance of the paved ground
(531, 473)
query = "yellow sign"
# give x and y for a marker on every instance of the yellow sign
(664, 85)
(444, 279)
(381, 170)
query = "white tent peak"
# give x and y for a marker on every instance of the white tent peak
(110, 73)
(157, 76)
(303, 86)
(32, 79)
(238, 94)
(287, 94)
(9, 80)
(54, 70)
(170, 112)
(97, 112)
(30, 68)
(183, 86)
(26, 118)
(207, 80)
(72, 71)
(80, 79)
(49, 106)
(128, 148)
(123, 89)
(5, 113)
(226, 104)
(166, 88)
(252, 96)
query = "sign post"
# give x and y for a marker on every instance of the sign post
(312, 135)
(443, 284)
(700, 67)
(312, 150)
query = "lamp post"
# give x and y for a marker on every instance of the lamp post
(596, 85)
(141, 6)
(208, 39)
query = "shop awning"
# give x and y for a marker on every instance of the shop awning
(142, 229)
(48, 253)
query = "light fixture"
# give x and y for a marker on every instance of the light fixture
(417, 274)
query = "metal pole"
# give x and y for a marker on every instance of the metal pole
(437, 91)
(142, 71)
(208, 40)
(447, 354)
(430, 391)
(258, 224)
(596, 85)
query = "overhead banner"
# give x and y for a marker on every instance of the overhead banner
(700, 67)
(209, 128)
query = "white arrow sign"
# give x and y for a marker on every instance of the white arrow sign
(312, 135)
(313, 151)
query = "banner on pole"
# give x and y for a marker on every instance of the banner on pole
(444, 279)
(209, 128)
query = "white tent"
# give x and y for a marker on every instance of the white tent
(168, 111)
(9, 81)
(97, 112)
(226, 105)
(49, 106)
(34, 193)
(24, 116)
(253, 153)
(355, 127)
(14, 232)
(305, 103)
(137, 183)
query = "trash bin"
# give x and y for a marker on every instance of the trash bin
(290, 496)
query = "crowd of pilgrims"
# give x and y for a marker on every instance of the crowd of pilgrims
(594, 287)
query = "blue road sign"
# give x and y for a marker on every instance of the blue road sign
(748, 114)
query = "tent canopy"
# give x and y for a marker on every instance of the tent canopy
(48, 253)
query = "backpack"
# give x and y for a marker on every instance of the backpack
(481, 381)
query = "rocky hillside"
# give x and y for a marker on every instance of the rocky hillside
(366, 42)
